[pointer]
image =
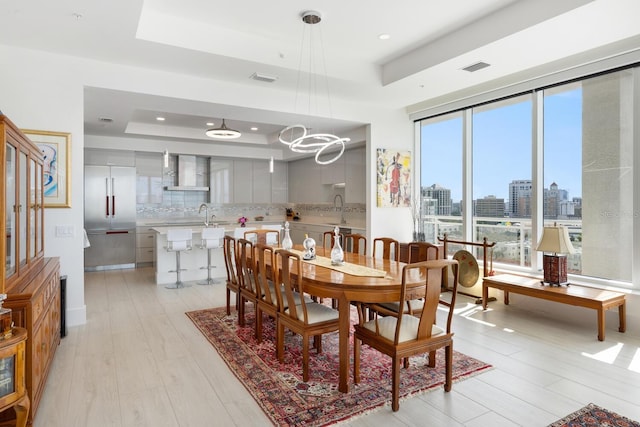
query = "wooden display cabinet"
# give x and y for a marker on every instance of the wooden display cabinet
(13, 393)
(31, 281)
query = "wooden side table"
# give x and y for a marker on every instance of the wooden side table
(13, 390)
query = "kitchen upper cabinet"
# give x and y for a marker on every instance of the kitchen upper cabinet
(261, 182)
(102, 157)
(355, 176)
(242, 181)
(279, 186)
(149, 171)
(305, 182)
(220, 178)
(334, 173)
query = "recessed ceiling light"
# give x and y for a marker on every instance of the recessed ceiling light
(160, 119)
(77, 15)
(210, 124)
(384, 36)
(254, 128)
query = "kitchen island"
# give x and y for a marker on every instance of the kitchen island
(194, 262)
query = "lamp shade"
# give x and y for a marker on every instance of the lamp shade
(555, 239)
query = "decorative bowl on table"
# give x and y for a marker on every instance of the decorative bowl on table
(259, 218)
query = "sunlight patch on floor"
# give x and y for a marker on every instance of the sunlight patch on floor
(608, 356)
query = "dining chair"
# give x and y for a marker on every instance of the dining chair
(246, 278)
(387, 248)
(267, 301)
(329, 237)
(238, 232)
(229, 250)
(305, 318)
(418, 251)
(356, 243)
(406, 335)
(263, 235)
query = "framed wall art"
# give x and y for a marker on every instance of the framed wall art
(393, 170)
(56, 149)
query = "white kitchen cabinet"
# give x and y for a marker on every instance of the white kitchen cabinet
(149, 170)
(279, 183)
(242, 181)
(261, 182)
(355, 176)
(305, 182)
(145, 246)
(220, 180)
(334, 173)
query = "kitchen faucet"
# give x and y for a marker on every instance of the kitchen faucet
(206, 213)
(335, 206)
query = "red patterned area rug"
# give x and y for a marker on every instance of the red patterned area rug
(594, 416)
(287, 400)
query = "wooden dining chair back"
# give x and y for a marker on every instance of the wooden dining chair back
(402, 336)
(264, 236)
(246, 277)
(386, 248)
(267, 302)
(357, 243)
(301, 316)
(329, 238)
(229, 251)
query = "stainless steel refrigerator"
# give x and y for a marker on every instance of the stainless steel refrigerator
(110, 217)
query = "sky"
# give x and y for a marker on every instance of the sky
(502, 146)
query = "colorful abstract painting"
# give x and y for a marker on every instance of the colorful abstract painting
(393, 172)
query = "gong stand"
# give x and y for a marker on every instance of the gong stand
(487, 267)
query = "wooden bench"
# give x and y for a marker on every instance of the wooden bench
(598, 299)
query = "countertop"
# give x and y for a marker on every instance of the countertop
(194, 223)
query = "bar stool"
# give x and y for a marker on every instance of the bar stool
(178, 240)
(211, 238)
(238, 232)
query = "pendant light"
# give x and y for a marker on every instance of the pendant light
(223, 132)
(297, 137)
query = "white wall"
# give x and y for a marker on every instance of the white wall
(39, 92)
(45, 92)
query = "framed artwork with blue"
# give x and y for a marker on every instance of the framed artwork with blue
(56, 150)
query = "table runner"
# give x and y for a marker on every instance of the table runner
(348, 268)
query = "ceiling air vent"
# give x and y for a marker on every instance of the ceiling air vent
(263, 77)
(475, 67)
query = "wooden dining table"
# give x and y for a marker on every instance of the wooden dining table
(325, 282)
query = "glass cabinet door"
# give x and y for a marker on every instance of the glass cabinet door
(39, 210)
(32, 209)
(22, 209)
(10, 209)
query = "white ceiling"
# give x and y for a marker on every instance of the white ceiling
(430, 42)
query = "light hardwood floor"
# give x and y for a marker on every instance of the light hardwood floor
(139, 361)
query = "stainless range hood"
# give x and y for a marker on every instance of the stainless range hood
(186, 175)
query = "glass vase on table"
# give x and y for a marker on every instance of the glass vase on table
(337, 254)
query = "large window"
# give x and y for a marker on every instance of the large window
(502, 188)
(586, 180)
(441, 177)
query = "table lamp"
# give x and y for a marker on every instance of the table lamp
(555, 240)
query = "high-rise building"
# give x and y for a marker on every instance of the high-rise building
(520, 198)
(489, 206)
(441, 197)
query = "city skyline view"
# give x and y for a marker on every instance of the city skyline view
(502, 146)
